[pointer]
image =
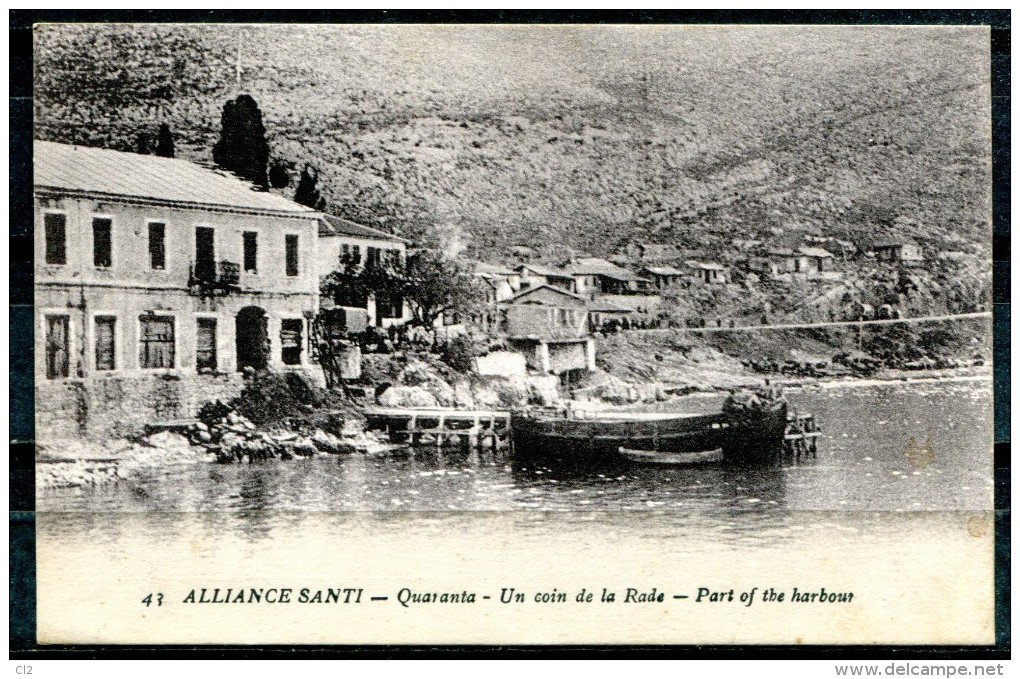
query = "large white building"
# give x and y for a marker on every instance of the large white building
(156, 282)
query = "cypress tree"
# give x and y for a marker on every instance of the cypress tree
(307, 192)
(279, 178)
(165, 142)
(242, 147)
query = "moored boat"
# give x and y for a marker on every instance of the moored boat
(747, 431)
(676, 459)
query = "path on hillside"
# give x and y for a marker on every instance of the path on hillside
(828, 324)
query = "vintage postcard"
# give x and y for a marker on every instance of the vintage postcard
(513, 334)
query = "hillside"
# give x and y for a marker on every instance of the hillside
(569, 138)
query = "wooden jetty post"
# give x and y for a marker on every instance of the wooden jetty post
(470, 429)
(801, 437)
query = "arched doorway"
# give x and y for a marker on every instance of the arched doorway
(252, 338)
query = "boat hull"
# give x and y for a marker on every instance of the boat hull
(746, 437)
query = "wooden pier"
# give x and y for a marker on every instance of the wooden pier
(801, 438)
(468, 429)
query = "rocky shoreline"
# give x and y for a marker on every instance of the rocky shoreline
(225, 436)
(76, 463)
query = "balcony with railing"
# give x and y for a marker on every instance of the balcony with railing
(214, 278)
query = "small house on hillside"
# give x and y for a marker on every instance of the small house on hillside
(602, 312)
(497, 281)
(341, 241)
(814, 260)
(596, 276)
(708, 273)
(537, 275)
(804, 262)
(898, 251)
(549, 326)
(662, 277)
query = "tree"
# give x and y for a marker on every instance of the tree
(432, 285)
(307, 192)
(429, 284)
(279, 178)
(165, 142)
(142, 144)
(242, 147)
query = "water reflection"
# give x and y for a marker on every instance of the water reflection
(860, 466)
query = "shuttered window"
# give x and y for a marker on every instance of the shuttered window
(106, 343)
(290, 340)
(251, 251)
(57, 347)
(102, 242)
(292, 254)
(157, 245)
(56, 238)
(205, 352)
(156, 348)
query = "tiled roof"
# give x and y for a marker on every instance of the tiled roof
(595, 266)
(543, 270)
(102, 172)
(557, 290)
(330, 225)
(814, 252)
(484, 268)
(663, 271)
(710, 266)
(603, 306)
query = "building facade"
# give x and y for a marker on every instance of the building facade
(156, 283)
(340, 241)
(550, 327)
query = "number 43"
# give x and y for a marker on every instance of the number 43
(148, 599)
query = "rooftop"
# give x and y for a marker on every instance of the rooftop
(559, 291)
(663, 271)
(330, 225)
(709, 266)
(117, 174)
(543, 270)
(596, 266)
(815, 252)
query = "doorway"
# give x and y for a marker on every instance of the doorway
(252, 334)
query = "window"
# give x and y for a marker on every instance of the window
(102, 242)
(106, 343)
(205, 253)
(290, 340)
(372, 257)
(251, 252)
(389, 305)
(205, 351)
(157, 245)
(356, 249)
(292, 255)
(157, 342)
(57, 347)
(56, 238)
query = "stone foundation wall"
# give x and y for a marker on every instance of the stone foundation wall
(106, 407)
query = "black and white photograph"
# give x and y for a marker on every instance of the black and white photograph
(513, 334)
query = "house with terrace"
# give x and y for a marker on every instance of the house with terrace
(344, 244)
(595, 276)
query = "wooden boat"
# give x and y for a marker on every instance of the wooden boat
(678, 459)
(751, 435)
